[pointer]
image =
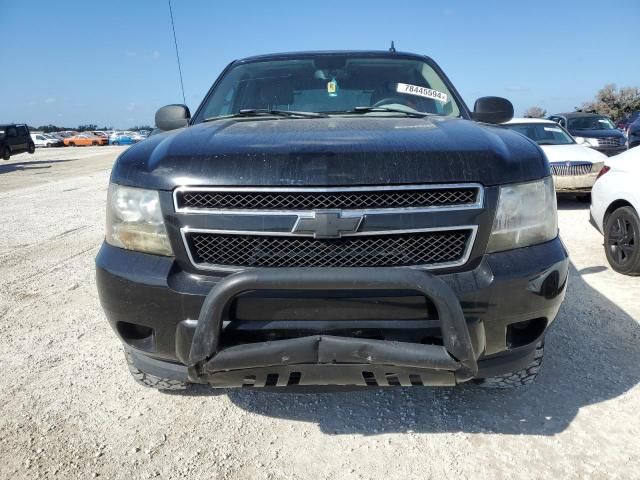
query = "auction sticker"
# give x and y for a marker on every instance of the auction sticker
(422, 92)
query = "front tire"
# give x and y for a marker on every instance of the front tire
(6, 154)
(152, 381)
(31, 148)
(622, 241)
(521, 378)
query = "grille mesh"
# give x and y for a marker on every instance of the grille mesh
(610, 142)
(357, 251)
(563, 170)
(326, 200)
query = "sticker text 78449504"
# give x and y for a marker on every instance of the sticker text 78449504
(422, 92)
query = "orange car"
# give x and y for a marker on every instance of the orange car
(85, 139)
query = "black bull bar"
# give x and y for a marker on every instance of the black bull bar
(333, 360)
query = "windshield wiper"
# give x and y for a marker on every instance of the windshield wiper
(411, 113)
(257, 112)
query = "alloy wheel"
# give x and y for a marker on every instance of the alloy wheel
(622, 242)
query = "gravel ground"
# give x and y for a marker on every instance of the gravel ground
(68, 408)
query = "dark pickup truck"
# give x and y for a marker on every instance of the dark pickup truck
(332, 218)
(14, 139)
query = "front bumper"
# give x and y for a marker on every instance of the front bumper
(574, 183)
(186, 320)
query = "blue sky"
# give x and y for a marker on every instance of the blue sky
(75, 62)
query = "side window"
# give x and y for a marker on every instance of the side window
(12, 132)
(22, 131)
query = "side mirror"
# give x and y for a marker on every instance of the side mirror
(492, 110)
(171, 117)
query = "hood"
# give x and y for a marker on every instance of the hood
(572, 153)
(596, 133)
(331, 151)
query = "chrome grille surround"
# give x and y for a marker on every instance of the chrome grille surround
(236, 248)
(425, 248)
(306, 199)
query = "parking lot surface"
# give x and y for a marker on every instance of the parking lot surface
(69, 409)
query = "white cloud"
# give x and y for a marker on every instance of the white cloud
(131, 106)
(32, 103)
(155, 54)
(130, 53)
(50, 100)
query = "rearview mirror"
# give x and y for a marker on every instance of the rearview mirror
(492, 110)
(173, 116)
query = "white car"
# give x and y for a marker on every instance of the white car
(615, 205)
(43, 140)
(574, 167)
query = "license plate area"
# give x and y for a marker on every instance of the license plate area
(276, 315)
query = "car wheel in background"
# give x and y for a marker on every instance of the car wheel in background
(94, 144)
(6, 154)
(31, 148)
(116, 143)
(584, 198)
(72, 144)
(621, 241)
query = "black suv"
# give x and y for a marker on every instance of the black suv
(15, 138)
(332, 218)
(593, 130)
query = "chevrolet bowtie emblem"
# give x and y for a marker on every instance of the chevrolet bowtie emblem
(327, 225)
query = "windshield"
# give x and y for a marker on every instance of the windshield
(591, 123)
(331, 84)
(543, 133)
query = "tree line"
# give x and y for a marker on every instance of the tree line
(614, 102)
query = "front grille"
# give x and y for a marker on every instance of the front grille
(610, 142)
(247, 251)
(572, 169)
(310, 200)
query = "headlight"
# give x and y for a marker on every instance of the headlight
(526, 215)
(134, 220)
(587, 142)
